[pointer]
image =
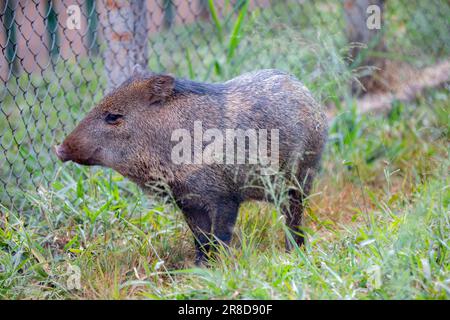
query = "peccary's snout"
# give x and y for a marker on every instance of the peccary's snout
(61, 152)
(79, 148)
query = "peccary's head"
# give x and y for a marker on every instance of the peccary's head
(117, 131)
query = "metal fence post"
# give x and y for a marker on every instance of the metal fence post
(363, 41)
(125, 32)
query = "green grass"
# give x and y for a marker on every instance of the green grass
(378, 227)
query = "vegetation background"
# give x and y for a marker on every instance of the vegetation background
(378, 223)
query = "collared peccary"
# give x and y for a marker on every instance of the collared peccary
(131, 130)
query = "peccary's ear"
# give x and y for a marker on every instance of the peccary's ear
(160, 87)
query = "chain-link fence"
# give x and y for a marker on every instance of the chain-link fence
(59, 57)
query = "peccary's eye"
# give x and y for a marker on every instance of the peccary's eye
(112, 118)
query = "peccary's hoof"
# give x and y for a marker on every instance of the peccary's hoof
(202, 263)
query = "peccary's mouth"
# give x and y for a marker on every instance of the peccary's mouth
(64, 155)
(92, 160)
(87, 162)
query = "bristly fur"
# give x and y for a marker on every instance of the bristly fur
(185, 86)
(152, 106)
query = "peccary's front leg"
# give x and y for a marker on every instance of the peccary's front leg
(224, 220)
(199, 221)
(210, 223)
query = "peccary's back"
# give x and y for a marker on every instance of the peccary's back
(272, 99)
(265, 99)
(269, 99)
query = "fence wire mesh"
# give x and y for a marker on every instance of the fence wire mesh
(58, 58)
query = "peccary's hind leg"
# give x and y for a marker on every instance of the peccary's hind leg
(199, 221)
(293, 211)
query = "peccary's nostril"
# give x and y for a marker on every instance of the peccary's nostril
(61, 152)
